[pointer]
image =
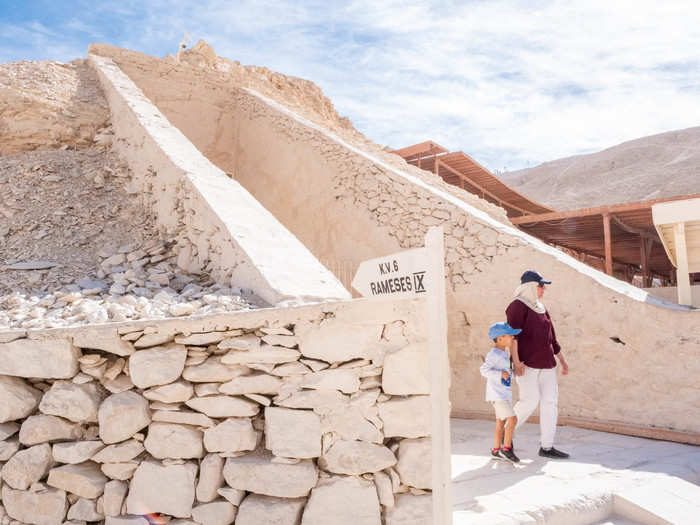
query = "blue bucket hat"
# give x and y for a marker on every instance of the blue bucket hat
(500, 329)
(531, 276)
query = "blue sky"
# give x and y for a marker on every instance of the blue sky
(512, 83)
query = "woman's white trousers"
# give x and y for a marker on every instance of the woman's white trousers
(539, 386)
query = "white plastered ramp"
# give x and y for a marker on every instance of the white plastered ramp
(220, 226)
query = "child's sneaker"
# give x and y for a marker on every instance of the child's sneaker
(512, 444)
(495, 453)
(507, 453)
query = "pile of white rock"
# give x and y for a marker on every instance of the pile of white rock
(311, 423)
(131, 282)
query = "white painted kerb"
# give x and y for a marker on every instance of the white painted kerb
(236, 235)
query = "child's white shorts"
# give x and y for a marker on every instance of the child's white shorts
(504, 409)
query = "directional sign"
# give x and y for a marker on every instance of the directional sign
(415, 273)
(400, 275)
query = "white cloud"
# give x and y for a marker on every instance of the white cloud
(509, 82)
(531, 84)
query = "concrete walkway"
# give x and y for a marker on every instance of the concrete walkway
(610, 479)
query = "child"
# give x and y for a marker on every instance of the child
(496, 370)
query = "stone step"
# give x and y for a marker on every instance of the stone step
(667, 500)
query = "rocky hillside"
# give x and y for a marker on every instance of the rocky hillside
(653, 167)
(77, 246)
(48, 105)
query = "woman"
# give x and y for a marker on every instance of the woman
(534, 362)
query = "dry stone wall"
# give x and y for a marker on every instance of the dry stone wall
(309, 416)
(349, 203)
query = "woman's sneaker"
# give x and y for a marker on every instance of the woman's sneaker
(495, 453)
(507, 453)
(553, 453)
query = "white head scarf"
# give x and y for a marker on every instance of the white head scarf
(527, 293)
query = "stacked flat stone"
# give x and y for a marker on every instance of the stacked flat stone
(316, 422)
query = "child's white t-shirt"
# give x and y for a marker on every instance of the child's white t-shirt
(496, 361)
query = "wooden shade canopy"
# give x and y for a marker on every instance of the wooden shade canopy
(461, 170)
(619, 239)
(678, 226)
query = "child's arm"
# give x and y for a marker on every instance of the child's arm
(518, 365)
(491, 368)
(516, 313)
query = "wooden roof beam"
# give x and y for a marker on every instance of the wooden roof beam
(460, 155)
(422, 149)
(595, 250)
(637, 231)
(587, 212)
(481, 189)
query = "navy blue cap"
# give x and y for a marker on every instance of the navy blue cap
(531, 276)
(500, 329)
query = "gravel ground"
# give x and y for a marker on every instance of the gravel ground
(77, 247)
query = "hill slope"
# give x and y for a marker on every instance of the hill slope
(46, 105)
(653, 167)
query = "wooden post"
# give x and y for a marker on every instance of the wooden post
(644, 256)
(608, 244)
(439, 378)
(649, 278)
(419, 159)
(682, 273)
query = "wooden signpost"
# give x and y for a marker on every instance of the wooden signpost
(420, 272)
(400, 275)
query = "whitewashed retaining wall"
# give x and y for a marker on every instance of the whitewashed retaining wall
(310, 415)
(348, 205)
(350, 202)
(220, 227)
